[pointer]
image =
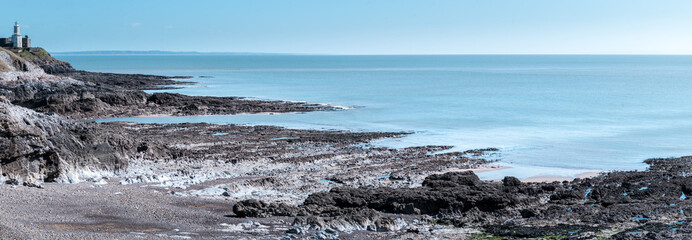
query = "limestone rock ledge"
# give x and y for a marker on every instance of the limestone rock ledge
(40, 147)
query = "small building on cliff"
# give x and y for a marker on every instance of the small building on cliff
(16, 40)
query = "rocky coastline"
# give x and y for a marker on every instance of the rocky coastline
(81, 179)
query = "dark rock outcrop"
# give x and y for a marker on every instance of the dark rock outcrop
(103, 95)
(39, 147)
(256, 208)
(40, 57)
(52, 65)
(455, 179)
(125, 81)
(654, 201)
(89, 100)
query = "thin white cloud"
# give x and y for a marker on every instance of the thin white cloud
(135, 24)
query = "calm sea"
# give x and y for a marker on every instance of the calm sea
(550, 115)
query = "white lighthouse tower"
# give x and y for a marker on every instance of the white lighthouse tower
(17, 37)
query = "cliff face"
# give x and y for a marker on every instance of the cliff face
(14, 67)
(39, 147)
(43, 59)
(10, 62)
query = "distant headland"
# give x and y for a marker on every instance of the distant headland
(158, 52)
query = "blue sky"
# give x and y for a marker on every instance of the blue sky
(358, 26)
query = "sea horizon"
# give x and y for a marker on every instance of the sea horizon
(161, 52)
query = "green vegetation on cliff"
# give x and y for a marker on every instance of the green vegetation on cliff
(37, 53)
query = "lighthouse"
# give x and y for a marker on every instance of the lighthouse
(17, 37)
(16, 40)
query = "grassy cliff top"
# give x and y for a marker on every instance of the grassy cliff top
(37, 53)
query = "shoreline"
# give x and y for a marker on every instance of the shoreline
(270, 182)
(167, 85)
(549, 178)
(534, 179)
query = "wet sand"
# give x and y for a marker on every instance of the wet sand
(560, 178)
